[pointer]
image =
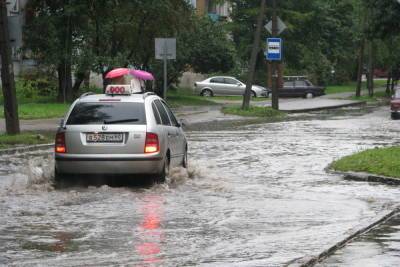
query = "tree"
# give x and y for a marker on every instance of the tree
(7, 75)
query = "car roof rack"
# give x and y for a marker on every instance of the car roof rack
(86, 94)
(294, 78)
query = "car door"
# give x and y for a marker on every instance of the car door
(287, 89)
(217, 85)
(300, 88)
(180, 139)
(169, 131)
(234, 87)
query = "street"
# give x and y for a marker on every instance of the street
(255, 195)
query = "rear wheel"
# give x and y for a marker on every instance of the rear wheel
(185, 160)
(165, 171)
(309, 95)
(253, 94)
(206, 93)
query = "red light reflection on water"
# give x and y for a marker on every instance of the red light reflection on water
(150, 233)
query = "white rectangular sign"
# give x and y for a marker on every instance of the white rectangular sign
(165, 48)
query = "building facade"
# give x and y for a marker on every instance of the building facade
(216, 11)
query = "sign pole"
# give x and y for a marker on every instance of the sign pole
(165, 71)
(275, 96)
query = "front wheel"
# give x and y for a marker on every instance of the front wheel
(253, 94)
(394, 115)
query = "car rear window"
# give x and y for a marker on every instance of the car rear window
(107, 113)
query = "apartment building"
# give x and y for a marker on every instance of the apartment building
(215, 11)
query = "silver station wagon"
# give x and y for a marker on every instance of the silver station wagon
(120, 132)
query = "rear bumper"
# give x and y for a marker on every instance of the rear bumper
(108, 164)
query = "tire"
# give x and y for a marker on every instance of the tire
(253, 94)
(165, 171)
(207, 93)
(268, 95)
(185, 160)
(309, 95)
(394, 116)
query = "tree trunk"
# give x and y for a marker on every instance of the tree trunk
(360, 68)
(7, 75)
(64, 82)
(388, 81)
(253, 59)
(370, 78)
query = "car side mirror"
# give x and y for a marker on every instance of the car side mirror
(182, 123)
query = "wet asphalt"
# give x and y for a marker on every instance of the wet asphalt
(254, 195)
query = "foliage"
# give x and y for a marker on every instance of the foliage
(254, 111)
(83, 36)
(26, 138)
(33, 111)
(381, 161)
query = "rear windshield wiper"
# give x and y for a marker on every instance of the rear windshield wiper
(120, 121)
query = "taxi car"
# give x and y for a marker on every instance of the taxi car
(123, 131)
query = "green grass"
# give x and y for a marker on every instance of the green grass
(380, 161)
(184, 97)
(39, 110)
(253, 111)
(350, 87)
(377, 97)
(7, 141)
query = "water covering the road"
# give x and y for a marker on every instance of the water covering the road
(254, 195)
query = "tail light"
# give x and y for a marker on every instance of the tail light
(60, 146)
(151, 144)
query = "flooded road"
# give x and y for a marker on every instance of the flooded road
(254, 195)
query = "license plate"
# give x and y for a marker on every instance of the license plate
(104, 137)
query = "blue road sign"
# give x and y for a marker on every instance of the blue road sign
(274, 49)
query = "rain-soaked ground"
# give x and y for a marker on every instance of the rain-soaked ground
(255, 195)
(379, 247)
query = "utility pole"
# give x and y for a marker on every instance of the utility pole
(7, 74)
(275, 96)
(253, 58)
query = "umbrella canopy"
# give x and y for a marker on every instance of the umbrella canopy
(142, 75)
(117, 73)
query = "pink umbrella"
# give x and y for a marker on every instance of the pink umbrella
(117, 73)
(142, 75)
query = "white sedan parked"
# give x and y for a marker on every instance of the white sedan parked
(222, 85)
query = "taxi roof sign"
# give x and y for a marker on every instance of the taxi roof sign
(121, 89)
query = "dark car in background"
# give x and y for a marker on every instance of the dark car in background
(395, 104)
(299, 86)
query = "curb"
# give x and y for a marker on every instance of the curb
(359, 103)
(367, 177)
(311, 261)
(15, 150)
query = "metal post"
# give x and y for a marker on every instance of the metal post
(275, 96)
(165, 72)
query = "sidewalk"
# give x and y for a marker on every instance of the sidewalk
(201, 114)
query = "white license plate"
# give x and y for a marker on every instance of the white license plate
(104, 137)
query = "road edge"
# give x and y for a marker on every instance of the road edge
(358, 103)
(366, 177)
(15, 150)
(308, 261)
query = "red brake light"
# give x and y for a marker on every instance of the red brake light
(60, 146)
(151, 144)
